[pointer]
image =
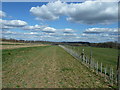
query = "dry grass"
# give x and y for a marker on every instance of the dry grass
(5, 42)
(20, 46)
(13, 45)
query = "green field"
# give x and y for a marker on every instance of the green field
(46, 67)
(108, 56)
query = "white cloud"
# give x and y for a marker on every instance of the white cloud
(107, 0)
(68, 36)
(101, 30)
(28, 27)
(15, 23)
(51, 11)
(88, 12)
(5, 27)
(49, 30)
(2, 14)
(92, 12)
(86, 37)
(8, 24)
(2, 21)
(35, 27)
(100, 34)
(68, 30)
(8, 32)
(31, 33)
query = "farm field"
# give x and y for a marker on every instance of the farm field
(46, 67)
(108, 56)
(13, 45)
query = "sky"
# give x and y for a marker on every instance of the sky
(88, 21)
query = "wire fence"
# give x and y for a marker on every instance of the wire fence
(106, 72)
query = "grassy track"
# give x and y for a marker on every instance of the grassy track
(46, 67)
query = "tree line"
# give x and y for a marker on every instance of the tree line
(106, 45)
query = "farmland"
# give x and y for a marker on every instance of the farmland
(108, 56)
(13, 45)
(46, 67)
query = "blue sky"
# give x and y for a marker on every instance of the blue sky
(53, 20)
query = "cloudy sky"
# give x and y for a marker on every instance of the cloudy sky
(90, 21)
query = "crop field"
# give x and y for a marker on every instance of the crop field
(108, 56)
(46, 67)
(13, 45)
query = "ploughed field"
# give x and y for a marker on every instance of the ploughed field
(45, 67)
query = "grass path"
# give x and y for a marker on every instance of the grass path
(46, 67)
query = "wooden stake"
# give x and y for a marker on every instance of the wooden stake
(101, 68)
(86, 60)
(90, 56)
(105, 73)
(112, 76)
(118, 71)
(97, 67)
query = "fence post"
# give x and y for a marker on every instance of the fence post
(101, 68)
(90, 56)
(82, 54)
(78, 49)
(118, 71)
(105, 69)
(112, 76)
(90, 63)
(97, 68)
(86, 60)
(93, 65)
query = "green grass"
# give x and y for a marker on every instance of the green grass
(66, 69)
(9, 55)
(108, 56)
(46, 67)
